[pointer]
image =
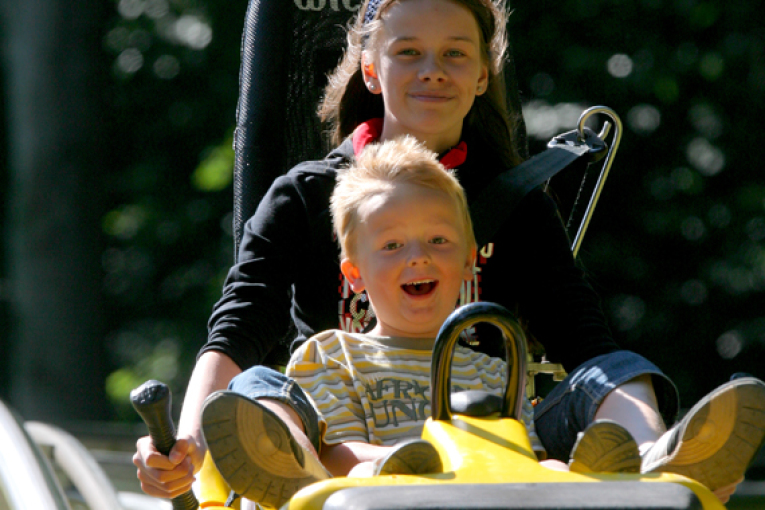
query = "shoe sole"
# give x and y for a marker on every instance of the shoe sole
(417, 457)
(253, 450)
(605, 447)
(724, 433)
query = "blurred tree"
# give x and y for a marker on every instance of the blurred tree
(174, 66)
(56, 138)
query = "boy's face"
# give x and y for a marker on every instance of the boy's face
(411, 257)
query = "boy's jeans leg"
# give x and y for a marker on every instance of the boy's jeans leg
(571, 405)
(263, 382)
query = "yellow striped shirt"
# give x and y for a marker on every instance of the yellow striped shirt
(377, 390)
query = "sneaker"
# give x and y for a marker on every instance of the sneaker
(254, 450)
(605, 446)
(717, 439)
(416, 457)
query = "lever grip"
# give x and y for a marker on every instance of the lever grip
(152, 401)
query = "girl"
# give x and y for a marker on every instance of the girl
(431, 69)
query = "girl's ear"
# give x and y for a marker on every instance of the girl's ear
(468, 273)
(369, 72)
(483, 81)
(352, 274)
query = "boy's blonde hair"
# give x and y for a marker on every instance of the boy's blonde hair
(377, 170)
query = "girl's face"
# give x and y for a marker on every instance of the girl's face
(428, 66)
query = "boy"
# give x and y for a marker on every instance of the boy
(406, 239)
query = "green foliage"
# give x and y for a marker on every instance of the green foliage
(175, 67)
(675, 248)
(215, 172)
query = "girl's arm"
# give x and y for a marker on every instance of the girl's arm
(253, 312)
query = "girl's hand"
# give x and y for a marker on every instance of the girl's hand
(167, 476)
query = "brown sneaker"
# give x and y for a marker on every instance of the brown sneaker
(254, 450)
(416, 457)
(605, 446)
(717, 439)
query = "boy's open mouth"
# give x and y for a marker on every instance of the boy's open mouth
(420, 287)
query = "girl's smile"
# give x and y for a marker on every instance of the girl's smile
(428, 73)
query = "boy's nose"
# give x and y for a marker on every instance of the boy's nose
(418, 255)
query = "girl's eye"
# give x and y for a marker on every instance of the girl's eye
(454, 53)
(391, 246)
(438, 240)
(408, 52)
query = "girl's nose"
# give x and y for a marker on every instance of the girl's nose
(432, 70)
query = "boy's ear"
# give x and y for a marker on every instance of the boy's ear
(469, 264)
(352, 274)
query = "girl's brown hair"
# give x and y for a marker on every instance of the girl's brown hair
(347, 102)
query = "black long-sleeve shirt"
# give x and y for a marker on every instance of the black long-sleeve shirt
(287, 283)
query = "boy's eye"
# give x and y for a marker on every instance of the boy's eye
(391, 246)
(408, 52)
(438, 240)
(454, 53)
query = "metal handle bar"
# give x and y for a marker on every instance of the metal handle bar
(515, 347)
(152, 401)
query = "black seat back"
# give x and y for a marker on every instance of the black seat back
(288, 48)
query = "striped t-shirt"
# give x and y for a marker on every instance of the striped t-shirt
(377, 390)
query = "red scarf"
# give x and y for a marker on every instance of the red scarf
(370, 131)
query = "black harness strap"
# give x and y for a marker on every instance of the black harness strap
(499, 199)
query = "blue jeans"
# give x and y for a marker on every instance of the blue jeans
(570, 407)
(567, 410)
(263, 382)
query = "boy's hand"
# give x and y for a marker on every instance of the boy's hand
(167, 476)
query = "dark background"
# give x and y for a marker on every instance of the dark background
(115, 177)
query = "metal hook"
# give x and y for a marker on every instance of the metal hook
(606, 164)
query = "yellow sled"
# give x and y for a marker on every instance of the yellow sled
(488, 462)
